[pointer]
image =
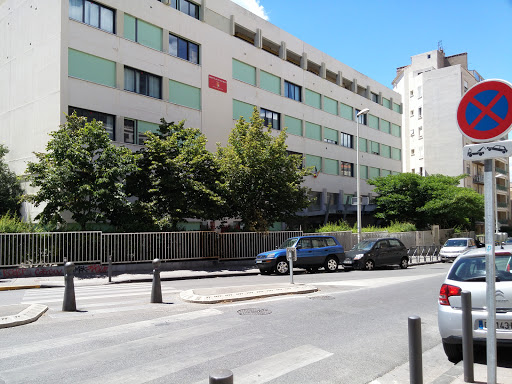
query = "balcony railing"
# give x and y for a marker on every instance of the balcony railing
(501, 187)
(501, 170)
(479, 179)
(502, 205)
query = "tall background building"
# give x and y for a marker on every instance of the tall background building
(431, 88)
(130, 63)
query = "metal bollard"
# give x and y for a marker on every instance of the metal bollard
(69, 303)
(156, 289)
(221, 376)
(415, 351)
(110, 269)
(467, 338)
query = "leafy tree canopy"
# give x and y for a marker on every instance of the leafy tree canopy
(427, 200)
(82, 172)
(262, 181)
(10, 189)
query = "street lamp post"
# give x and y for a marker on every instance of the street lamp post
(358, 178)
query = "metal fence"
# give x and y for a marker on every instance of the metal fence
(49, 248)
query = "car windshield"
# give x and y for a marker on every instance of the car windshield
(456, 243)
(289, 243)
(473, 269)
(364, 245)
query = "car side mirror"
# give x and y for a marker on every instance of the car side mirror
(298, 246)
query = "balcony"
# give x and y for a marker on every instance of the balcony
(501, 187)
(478, 179)
(501, 170)
(502, 205)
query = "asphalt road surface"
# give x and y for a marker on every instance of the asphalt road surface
(353, 330)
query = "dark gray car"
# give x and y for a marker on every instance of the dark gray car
(371, 253)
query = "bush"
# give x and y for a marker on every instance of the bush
(342, 225)
(338, 226)
(12, 224)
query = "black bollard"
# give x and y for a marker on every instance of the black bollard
(110, 269)
(156, 289)
(221, 376)
(69, 303)
(415, 351)
(467, 338)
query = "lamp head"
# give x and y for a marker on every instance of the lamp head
(363, 112)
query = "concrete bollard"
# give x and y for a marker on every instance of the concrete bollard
(415, 351)
(467, 338)
(69, 303)
(156, 289)
(221, 376)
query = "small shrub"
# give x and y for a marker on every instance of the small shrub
(342, 225)
(338, 226)
(12, 224)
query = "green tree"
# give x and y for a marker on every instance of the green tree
(428, 200)
(262, 181)
(177, 178)
(10, 188)
(82, 172)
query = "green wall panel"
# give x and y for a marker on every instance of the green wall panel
(363, 169)
(313, 99)
(91, 68)
(244, 72)
(396, 154)
(331, 134)
(149, 35)
(385, 126)
(241, 109)
(386, 102)
(294, 126)
(270, 82)
(144, 126)
(314, 161)
(385, 172)
(396, 107)
(346, 111)
(330, 105)
(363, 145)
(385, 151)
(375, 147)
(373, 122)
(185, 95)
(129, 27)
(313, 131)
(331, 167)
(396, 130)
(374, 172)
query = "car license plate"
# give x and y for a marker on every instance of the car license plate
(348, 261)
(501, 325)
(258, 261)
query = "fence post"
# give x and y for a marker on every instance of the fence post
(156, 288)
(110, 268)
(221, 376)
(467, 338)
(69, 303)
(415, 351)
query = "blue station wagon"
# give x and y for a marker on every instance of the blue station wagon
(313, 252)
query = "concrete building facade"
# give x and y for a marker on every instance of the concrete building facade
(431, 88)
(130, 63)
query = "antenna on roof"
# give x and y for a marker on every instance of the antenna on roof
(440, 45)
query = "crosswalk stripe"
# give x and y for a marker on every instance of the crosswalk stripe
(110, 309)
(97, 356)
(75, 339)
(78, 296)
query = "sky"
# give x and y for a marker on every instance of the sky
(377, 36)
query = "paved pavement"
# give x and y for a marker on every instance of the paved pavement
(15, 315)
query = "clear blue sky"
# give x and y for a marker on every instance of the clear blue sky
(376, 36)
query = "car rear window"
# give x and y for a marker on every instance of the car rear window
(330, 241)
(318, 243)
(473, 269)
(456, 243)
(395, 243)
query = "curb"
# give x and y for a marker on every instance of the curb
(14, 287)
(28, 315)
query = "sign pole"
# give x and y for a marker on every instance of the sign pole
(490, 270)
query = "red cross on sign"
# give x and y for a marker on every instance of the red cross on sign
(485, 111)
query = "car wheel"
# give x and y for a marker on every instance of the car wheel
(282, 267)
(265, 271)
(312, 269)
(453, 352)
(331, 264)
(404, 263)
(369, 265)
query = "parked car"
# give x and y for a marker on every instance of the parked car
(508, 241)
(454, 247)
(372, 253)
(499, 148)
(313, 252)
(468, 274)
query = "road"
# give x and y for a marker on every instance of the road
(353, 330)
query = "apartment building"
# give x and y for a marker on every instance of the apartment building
(129, 63)
(431, 88)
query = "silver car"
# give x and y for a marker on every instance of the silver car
(468, 273)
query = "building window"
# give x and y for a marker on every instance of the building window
(107, 120)
(420, 94)
(428, 56)
(92, 13)
(412, 152)
(347, 140)
(130, 126)
(292, 91)
(185, 6)
(270, 118)
(346, 169)
(362, 119)
(465, 86)
(420, 131)
(375, 97)
(183, 49)
(411, 93)
(412, 112)
(420, 112)
(142, 82)
(412, 132)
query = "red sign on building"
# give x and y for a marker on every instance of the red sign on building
(217, 83)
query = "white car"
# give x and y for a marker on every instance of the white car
(468, 274)
(455, 247)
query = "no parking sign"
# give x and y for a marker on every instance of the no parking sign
(485, 111)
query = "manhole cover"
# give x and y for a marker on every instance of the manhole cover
(321, 298)
(254, 311)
